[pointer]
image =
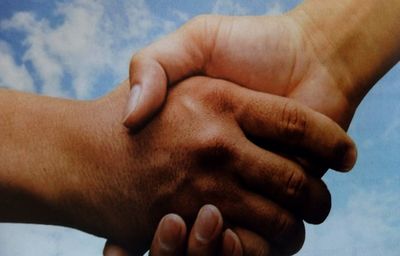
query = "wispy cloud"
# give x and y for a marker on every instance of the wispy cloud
(91, 40)
(19, 239)
(13, 75)
(38, 51)
(88, 42)
(68, 57)
(367, 226)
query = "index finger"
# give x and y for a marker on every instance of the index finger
(295, 128)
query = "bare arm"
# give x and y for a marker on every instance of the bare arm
(40, 140)
(73, 163)
(342, 49)
(358, 40)
(325, 54)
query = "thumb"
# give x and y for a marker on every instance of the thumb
(148, 82)
(171, 59)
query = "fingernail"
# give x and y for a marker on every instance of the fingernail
(206, 224)
(231, 244)
(170, 230)
(133, 101)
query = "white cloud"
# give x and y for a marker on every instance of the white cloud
(367, 226)
(229, 7)
(140, 20)
(47, 67)
(91, 40)
(19, 239)
(13, 75)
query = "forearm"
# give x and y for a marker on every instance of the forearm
(47, 144)
(33, 158)
(357, 40)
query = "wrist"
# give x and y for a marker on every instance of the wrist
(324, 48)
(100, 152)
(356, 41)
(35, 157)
(108, 159)
(54, 153)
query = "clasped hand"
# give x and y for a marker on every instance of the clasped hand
(272, 135)
(233, 148)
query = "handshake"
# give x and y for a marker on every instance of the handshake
(240, 129)
(215, 146)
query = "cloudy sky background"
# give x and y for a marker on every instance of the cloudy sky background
(81, 49)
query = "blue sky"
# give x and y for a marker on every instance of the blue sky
(81, 49)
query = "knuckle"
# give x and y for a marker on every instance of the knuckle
(214, 148)
(217, 96)
(296, 184)
(293, 121)
(210, 90)
(198, 25)
(210, 95)
(213, 136)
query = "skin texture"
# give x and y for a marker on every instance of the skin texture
(220, 138)
(25, 184)
(278, 60)
(86, 171)
(324, 60)
(325, 54)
